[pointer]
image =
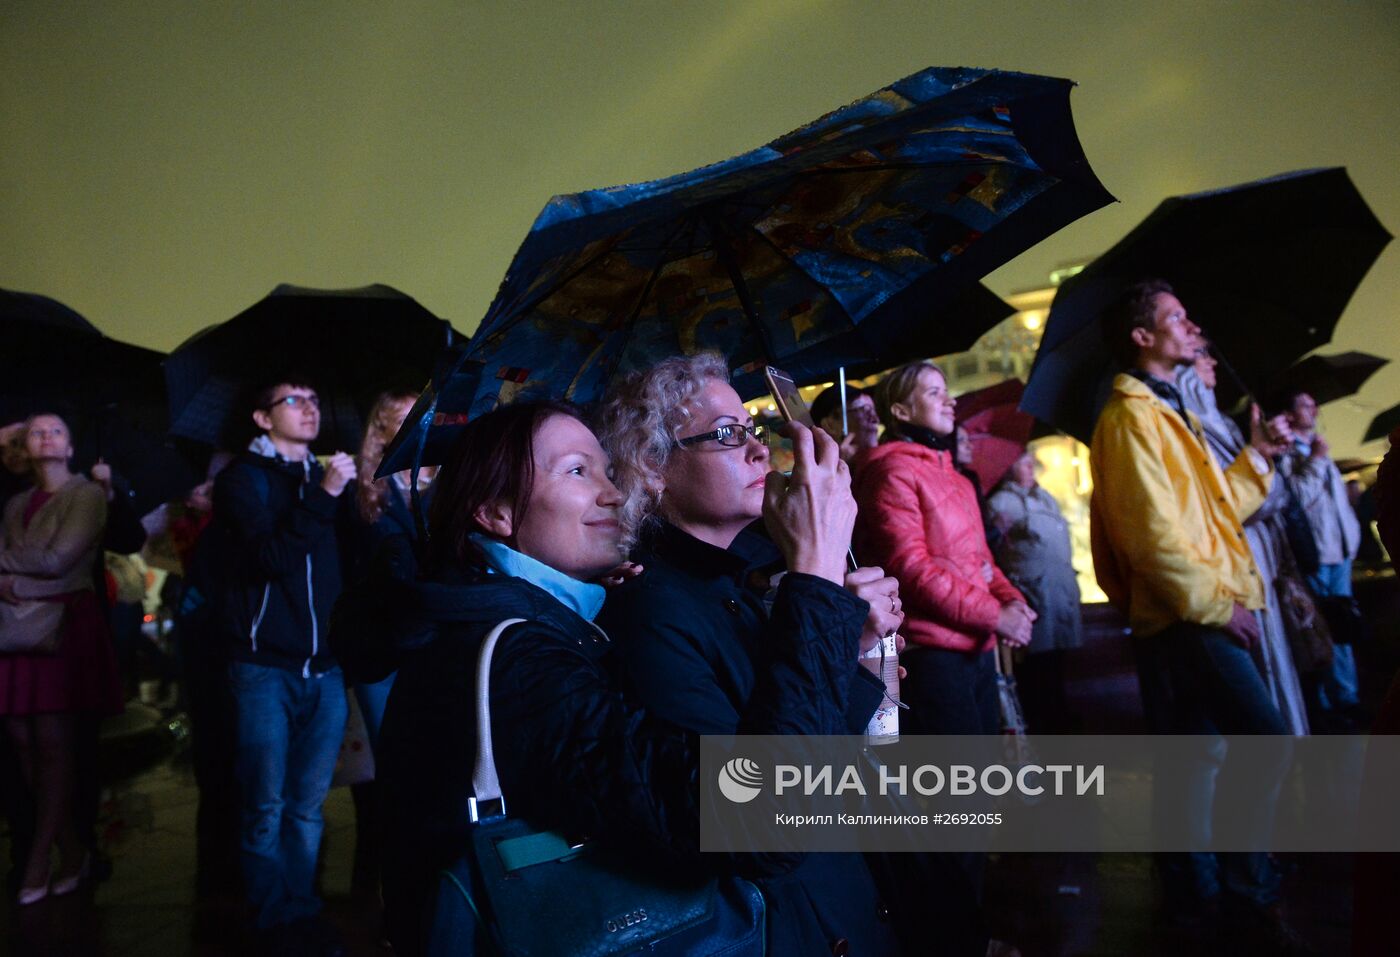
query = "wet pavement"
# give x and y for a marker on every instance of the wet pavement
(150, 906)
(1049, 905)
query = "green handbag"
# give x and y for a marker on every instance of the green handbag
(541, 896)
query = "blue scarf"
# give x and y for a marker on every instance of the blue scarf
(582, 598)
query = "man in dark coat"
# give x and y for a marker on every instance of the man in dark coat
(276, 510)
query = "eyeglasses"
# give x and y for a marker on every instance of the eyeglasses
(729, 436)
(295, 402)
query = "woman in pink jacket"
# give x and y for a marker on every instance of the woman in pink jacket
(919, 520)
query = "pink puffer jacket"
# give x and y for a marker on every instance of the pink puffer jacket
(919, 521)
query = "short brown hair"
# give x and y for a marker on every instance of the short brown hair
(1134, 308)
(266, 389)
(829, 401)
(493, 458)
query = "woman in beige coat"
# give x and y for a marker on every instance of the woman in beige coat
(49, 544)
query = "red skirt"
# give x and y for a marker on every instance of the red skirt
(81, 677)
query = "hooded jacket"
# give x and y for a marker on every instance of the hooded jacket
(1166, 523)
(279, 567)
(919, 520)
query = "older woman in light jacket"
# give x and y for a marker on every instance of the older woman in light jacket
(1033, 550)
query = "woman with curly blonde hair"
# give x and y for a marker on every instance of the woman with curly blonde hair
(376, 497)
(695, 628)
(382, 512)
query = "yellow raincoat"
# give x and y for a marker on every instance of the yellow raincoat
(1165, 522)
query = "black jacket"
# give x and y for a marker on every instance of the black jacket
(573, 753)
(694, 635)
(279, 567)
(364, 539)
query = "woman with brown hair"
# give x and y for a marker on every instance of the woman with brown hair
(50, 541)
(525, 520)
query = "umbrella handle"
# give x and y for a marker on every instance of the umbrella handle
(841, 381)
(725, 252)
(1235, 377)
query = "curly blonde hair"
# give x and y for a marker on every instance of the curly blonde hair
(371, 494)
(638, 424)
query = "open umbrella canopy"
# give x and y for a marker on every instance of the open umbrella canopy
(884, 211)
(1328, 378)
(1265, 269)
(997, 429)
(111, 393)
(1383, 424)
(351, 343)
(53, 354)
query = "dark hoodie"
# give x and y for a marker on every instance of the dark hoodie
(279, 571)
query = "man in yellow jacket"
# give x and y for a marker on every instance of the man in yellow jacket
(1167, 531)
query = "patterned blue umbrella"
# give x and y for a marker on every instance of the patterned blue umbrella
(873, 219)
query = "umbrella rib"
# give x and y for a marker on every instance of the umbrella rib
(725, 252)
(661, 261)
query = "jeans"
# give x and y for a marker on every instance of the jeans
(372, 698)
(1198, 680)
(1341, 688)
(289, 734)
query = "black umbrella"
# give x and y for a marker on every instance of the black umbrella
(1328, 378)
(111, 393)
(54, 355)
(351, 343)
(1383, 424)
(1264, 268)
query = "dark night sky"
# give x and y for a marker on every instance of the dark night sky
(163, 164)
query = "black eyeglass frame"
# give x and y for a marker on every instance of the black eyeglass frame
(756, 432)
(292, 401)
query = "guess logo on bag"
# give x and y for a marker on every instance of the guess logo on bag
(630, 919)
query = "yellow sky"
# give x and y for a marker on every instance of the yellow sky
(164, 164)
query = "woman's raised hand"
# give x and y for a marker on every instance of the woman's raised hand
(881, 592)
(810, 514)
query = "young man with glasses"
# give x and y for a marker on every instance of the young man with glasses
(277, 509)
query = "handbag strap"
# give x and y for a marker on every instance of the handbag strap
(486, 786)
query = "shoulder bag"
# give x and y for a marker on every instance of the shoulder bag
(32, 627)
(1309, 638)
(539, 894)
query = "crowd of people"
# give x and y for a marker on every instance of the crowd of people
(669, 583)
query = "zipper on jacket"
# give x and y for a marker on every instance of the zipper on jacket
(311, 607)
(262, 610)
